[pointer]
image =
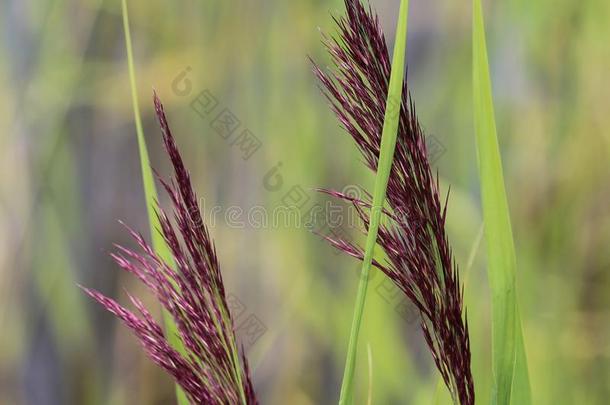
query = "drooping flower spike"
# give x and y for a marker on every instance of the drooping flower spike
(419, 259)
(211, 369)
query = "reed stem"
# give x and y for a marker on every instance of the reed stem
(386, 156)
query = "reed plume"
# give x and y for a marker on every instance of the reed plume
(419, 259)
(211, 369)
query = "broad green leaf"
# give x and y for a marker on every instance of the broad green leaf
(150, 194)
(386, 156)
(509, 360)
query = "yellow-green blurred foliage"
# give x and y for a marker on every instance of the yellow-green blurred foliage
(70, 170)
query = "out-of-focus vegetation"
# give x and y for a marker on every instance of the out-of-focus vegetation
(70, 169)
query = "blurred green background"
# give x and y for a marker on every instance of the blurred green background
(70, 170)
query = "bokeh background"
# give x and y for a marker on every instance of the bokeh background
(70, 170)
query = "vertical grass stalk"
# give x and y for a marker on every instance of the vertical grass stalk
(509, 359)
(150, 192)
(388, 144)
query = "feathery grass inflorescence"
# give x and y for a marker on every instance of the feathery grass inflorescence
(419, 258)
(212, 370)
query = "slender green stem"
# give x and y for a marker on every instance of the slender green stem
(150, 193)
(386, 156)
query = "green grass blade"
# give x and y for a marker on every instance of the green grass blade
(150, 193)
(521, 392)
(509, 360)
(386, 156)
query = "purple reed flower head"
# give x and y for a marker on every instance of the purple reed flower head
(419, 258)
(211, 369)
